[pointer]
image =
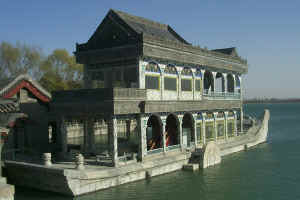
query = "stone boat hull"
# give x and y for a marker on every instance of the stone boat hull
(71, 182)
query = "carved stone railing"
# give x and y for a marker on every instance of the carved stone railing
(221, 95)
(100, 94)
(129, 93)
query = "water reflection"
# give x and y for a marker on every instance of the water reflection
(268, 171)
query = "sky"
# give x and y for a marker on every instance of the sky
(265, 32)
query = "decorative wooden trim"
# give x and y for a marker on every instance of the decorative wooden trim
(30, 87)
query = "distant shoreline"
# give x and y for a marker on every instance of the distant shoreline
(271, 101)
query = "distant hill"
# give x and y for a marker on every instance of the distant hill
(272, 100)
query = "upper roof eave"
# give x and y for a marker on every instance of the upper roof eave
(194, 49)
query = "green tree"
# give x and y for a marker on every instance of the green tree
(18, 59)
(58, 71)
(61, 72)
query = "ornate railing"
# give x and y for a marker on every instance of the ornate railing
(221, 95)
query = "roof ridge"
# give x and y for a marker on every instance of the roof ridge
(224, 48)
(135, 18)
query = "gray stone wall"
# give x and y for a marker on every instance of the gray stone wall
(35, 134)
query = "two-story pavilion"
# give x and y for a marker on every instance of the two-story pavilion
(151, 90)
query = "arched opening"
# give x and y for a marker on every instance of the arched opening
(170, 78)
(152, 67)
(208, 82)
(188, 129)
(152, 76)
(154, 133)
(220, 82)
(172, 130)
(237, 84)
(198, 77)
(186, 79)
(230, 83)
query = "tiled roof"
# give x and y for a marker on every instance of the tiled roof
(6, 85)
(8, 105)
(149, 27)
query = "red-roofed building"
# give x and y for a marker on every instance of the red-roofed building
(33, 100)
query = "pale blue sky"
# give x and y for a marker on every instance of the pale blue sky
(267, 33)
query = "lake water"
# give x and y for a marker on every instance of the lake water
(269, 171)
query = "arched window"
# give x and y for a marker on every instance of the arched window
(230, 83)
(198, 77)
(220, 82)
(152, 77)
(230, 114)
(237, 84)
(188, 128)
(170, 69)
(170, 78)
(152, 67)
(186, 79)
(208, 81)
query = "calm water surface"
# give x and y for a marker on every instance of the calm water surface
(268, 171)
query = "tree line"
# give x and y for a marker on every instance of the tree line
(57, 71)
